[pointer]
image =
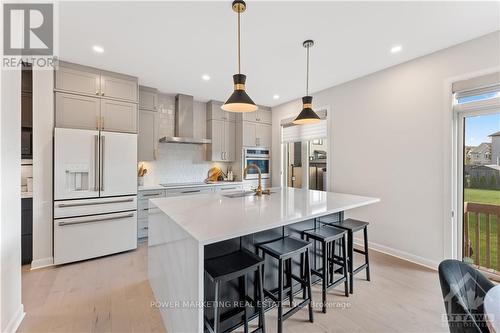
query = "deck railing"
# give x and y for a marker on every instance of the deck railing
(479, 246)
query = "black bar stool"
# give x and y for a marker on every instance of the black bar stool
(328, 236)
(284, 249)
(352, 226)
(232, 266)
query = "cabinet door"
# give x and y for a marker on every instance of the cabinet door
(77, 80)
(264, 116)
(229, 141)
(76, 111)
(118, 116)
(117, 87)
(216, 133)
(250, 116)
(249, 134)
(148, 99)
(147, 137)
(118, 164)
(263, 135)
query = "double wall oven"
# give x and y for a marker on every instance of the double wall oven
(260, 157)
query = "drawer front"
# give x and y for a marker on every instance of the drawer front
(85, 237)
(189, 191)
(93, 206)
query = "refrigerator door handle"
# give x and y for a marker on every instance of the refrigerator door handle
(102, 163)
(95, 220)
(64, 205)
(96, 162)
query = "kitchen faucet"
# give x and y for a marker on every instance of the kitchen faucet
(258, 191)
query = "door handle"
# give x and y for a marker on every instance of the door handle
(96, 220)
(151, 195)
(102, 162)
(96, 162)
(94, 203)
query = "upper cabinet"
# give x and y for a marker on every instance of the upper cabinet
(119, 87)
(223, 135)
(256, 135)
(88, 98)
(85, 80)
(262, 115)
(214, 112)
(148, 98)
(147, 140)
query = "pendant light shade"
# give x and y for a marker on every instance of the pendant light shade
(307, 115)
(239, 101)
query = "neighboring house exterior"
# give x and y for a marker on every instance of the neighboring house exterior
(495, 148)
(480, 155)
(482, 176)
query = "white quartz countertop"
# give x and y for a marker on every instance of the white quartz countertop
(210, 218)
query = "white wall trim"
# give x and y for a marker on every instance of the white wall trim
(15, 321)
(421, 261)
(43, 262)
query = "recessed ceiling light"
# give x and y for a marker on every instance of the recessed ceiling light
(396, 49)
(205, 77)
(276, 96)
(97, 49)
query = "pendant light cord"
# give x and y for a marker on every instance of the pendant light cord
(239, 57)
(307, 73)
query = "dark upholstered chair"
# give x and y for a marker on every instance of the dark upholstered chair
(464, 289)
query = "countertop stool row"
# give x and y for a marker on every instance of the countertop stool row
(331, 235)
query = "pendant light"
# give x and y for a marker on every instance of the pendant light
(307, 115)
(239, 101)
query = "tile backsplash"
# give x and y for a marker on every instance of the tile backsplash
(179, 163)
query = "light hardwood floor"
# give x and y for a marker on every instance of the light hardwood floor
(112, 294)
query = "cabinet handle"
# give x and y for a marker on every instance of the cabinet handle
(151, 194)
(192, 191)
(97, 92)
(96, 220)
(102, 94)
(94, 203)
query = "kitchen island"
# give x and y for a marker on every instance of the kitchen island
(183, 232)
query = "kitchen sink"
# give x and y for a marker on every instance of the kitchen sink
(239, 194)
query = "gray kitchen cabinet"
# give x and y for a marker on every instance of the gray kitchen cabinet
(77, 111)
(256, 134)
(119, 87)
(118, 116)
(77, 79)
(143, 197)
(148, 98)
(262, 115)
(214, 112)
(223, 135)
(228, 187)
(147, 139)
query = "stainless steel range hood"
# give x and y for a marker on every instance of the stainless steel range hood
(184, 123)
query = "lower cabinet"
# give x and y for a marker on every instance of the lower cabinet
(143, 209)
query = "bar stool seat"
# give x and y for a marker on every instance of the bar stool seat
(236, 265)
(351, 224)
(326, 234)
(286, 247)
(231, 266)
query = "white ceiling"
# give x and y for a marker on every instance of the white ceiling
(170, 45)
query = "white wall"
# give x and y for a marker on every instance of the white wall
(11, 312)
(43, 124)
(391, 138)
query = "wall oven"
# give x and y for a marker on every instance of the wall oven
(260, 157)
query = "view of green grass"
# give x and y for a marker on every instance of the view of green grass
(487, 197)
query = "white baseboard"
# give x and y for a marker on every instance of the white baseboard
(400, 254)
(15, 321)
(41, 263)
